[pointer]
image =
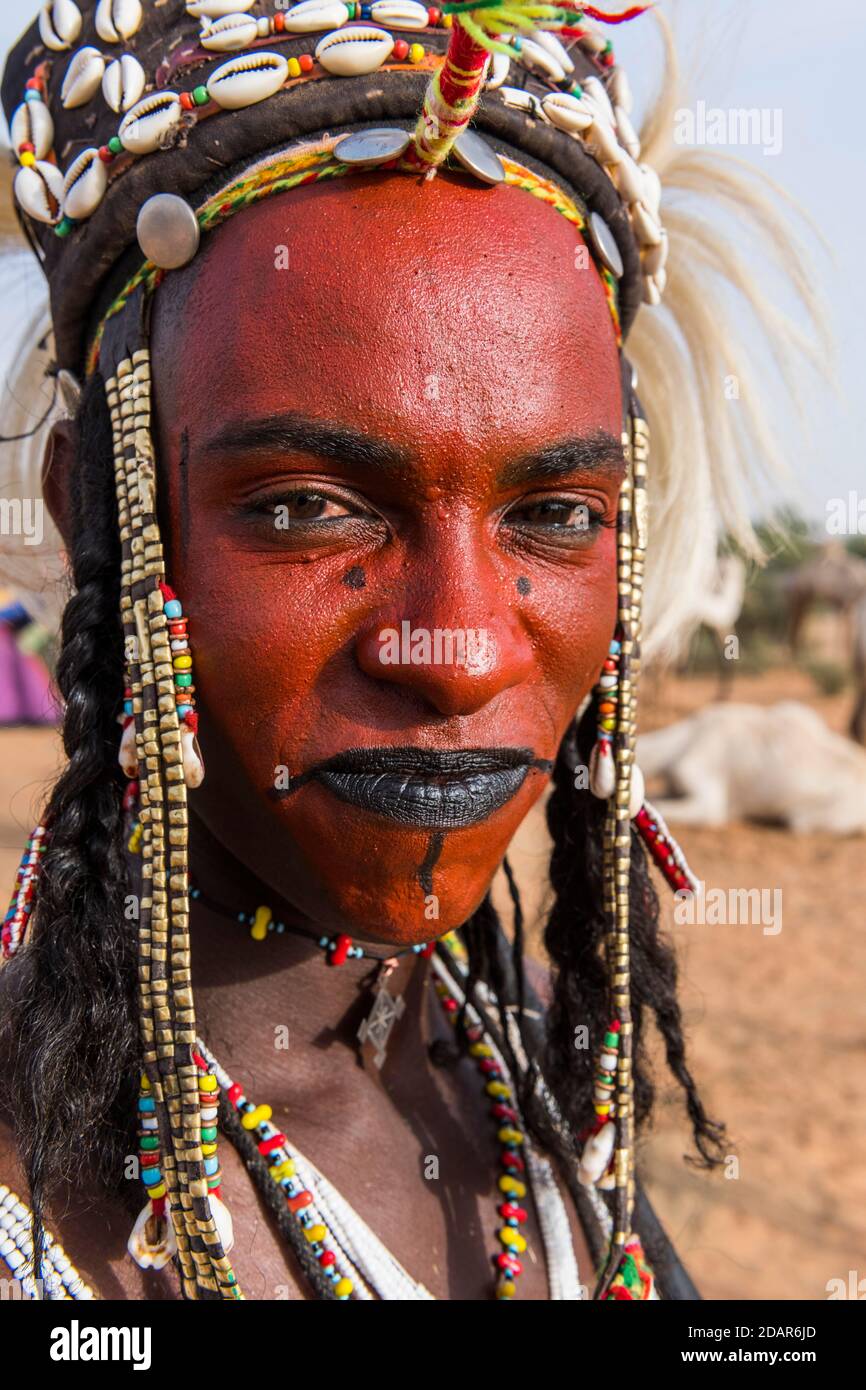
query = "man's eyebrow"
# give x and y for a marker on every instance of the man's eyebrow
(599, 452)
(289, 431)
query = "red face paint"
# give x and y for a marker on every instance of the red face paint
(386, 379)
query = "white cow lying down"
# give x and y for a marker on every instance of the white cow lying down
(776, 762)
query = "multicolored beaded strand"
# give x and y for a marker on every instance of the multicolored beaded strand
(24, 894)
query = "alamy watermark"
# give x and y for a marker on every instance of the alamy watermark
(716, 125)
(729, 907)
(23, 516)
(472, 647)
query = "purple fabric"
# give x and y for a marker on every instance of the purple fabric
(26, 692)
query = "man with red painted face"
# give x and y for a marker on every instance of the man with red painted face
(353, 484)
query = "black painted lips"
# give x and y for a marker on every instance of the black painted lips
(428, 789)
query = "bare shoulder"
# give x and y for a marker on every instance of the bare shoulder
(92, 1231)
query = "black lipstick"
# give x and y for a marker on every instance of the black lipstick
(425, 788)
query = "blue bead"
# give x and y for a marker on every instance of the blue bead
(195, 892)
(127, 707)
(615, 647)
(324, 941)
(512, 1221)
(31, 95)
(211, 1165)
(173, 608)
(281, 926)
(150, 1176)
(183, 710)
(146, 1104)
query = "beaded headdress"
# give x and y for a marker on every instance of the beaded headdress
(139, 126)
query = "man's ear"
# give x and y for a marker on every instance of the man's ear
(60, 453)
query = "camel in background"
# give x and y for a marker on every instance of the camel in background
(835, 577)
(775, 763)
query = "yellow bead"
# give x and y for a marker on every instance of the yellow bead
(498, 1088)
(259, 929)
(446, 21)
(158, 1191)
(602, 1109)
(315, 1234)
(208, 1149)
(208, 1083)
(510, 1136)
(253, 1118)
(145, 1084)
(512, 1185)
(507, 1289)
(480, 1050)
(294, 68)
(416, 52)
(512, 1239)
(182, 663)
(608, 725)
(286, 1169)
(343, 1288)
(27, 158)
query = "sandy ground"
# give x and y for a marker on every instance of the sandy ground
(776, 1029)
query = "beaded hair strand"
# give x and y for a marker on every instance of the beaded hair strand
(166, 1003)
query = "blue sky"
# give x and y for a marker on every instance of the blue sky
(774, 54)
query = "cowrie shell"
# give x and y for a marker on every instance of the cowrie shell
(149, 1256)
(627, 133)
(601, 142)
(38, 190)
(358, 49)
(32, 124)
(557, 50)
(654, 258)
(537, 59)
(215, 9)
(619, 91)
(646, 228)
(59, 24)
(83, 78)
(591, 38)
(651, 292)
(594, 89)
(567, 112)
(520, 100)
(311, 15)
(247, 79)
(399, 14)
(117, 20)
(597, 1153)
(498, 70)
(84, 186)
(652, 188)
(629, 179)
(234, 31)
(123, 83)
(146, 125)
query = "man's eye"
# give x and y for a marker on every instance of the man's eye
(311, 506)
(559, 512)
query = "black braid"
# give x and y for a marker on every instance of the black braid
(573, 938)
(289, 1226)
(68, 1031)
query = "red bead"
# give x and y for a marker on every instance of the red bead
(276, 1141)
(299, 1201)
(400, 49)
(503, 1112)
(474, 1034)
(105, 154)
(327, 1258)
(510, 1211)
(513, 1161)
(433, 16)
(235, 1093)
(186, 101)
(306, 62)
(450, 1005)
(509, 1263)
(428, 950)
(26, 147)
(279, 22)
(341, 949)
(33, 84)
(489, 1065)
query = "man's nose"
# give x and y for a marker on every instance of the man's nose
(457, 647)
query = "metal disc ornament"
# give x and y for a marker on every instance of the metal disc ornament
(168, 231)
(477, 157)
(604, 245)
(371, 147)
